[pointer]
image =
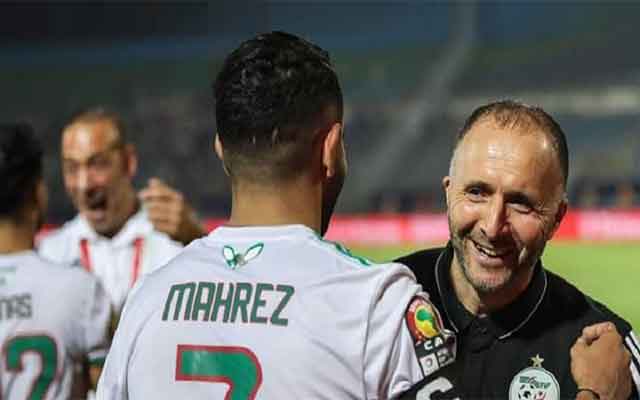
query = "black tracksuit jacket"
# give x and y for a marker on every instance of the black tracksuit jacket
(494, 352)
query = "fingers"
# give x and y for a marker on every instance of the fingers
(162, 214)
(169, 212)
(600, 361)
(157, 190)
(593, 332)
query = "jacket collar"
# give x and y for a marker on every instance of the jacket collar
(502, 323)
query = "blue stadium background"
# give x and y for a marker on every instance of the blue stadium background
(411, 72)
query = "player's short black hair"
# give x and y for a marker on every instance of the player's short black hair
(517, 115)
(101, 113)
(20, 167)
(270, 94)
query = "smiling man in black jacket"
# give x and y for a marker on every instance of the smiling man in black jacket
(514, 320)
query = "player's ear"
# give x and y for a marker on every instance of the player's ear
(131, 160)
(333, 150)
(42, 195)
(217, 147)
(42, 201)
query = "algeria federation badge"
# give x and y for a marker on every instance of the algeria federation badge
(534, 383)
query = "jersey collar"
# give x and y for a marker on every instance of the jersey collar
(501, 323)
(272, 232)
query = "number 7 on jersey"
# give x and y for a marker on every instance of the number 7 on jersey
(238, 367)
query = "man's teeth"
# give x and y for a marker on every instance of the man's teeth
(490, 252)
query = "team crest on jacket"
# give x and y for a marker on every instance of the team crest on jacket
(534, 383)
(435, 346)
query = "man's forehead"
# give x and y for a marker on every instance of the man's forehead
(89, 137)
(487, 140)
(522, 160)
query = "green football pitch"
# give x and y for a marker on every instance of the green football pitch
(609, 272)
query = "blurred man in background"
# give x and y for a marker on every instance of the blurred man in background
(516, 321)
(50, 315)
(117, 235)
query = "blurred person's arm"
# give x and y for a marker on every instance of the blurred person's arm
(600, 364)
(170, 213)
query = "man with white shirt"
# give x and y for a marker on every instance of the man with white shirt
(264, 307)
(51, 315)
(112, 236)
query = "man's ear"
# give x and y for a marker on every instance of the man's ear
(333, 150)
(562, 211)
(446, 185)
(217, 147)
(131, 160)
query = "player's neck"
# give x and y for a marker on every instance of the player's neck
(15, 238)
(284, 204)
(483, 303)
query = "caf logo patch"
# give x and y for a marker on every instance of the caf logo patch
(423, 319)
(435, 346)
(534, 383)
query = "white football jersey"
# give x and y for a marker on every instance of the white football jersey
(265, 313)
(51, 316)
(118, 261)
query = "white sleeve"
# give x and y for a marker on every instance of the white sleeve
(633, 344)
(393, 362)
(96, 323)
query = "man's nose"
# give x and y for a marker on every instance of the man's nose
(84, 180)
(495, 221)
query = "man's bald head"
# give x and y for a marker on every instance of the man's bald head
(118, 131)
(523, 119)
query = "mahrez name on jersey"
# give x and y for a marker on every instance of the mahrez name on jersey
(17, 306)
(228, 302)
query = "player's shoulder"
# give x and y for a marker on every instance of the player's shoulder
(421, 259)
(164, 243)
(567, 297)
(341, 254)
(162, 246)
(57, 274)
(423, 265)
(57, 241)
(180, 265)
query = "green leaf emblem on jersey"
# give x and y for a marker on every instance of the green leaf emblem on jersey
(235, 260)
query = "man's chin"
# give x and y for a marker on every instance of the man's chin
(488, 286)
(97, 219)
(486, 282)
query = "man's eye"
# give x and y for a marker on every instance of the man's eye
(69, 168)
(521, 207)
(475, 193)
(99, 163)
